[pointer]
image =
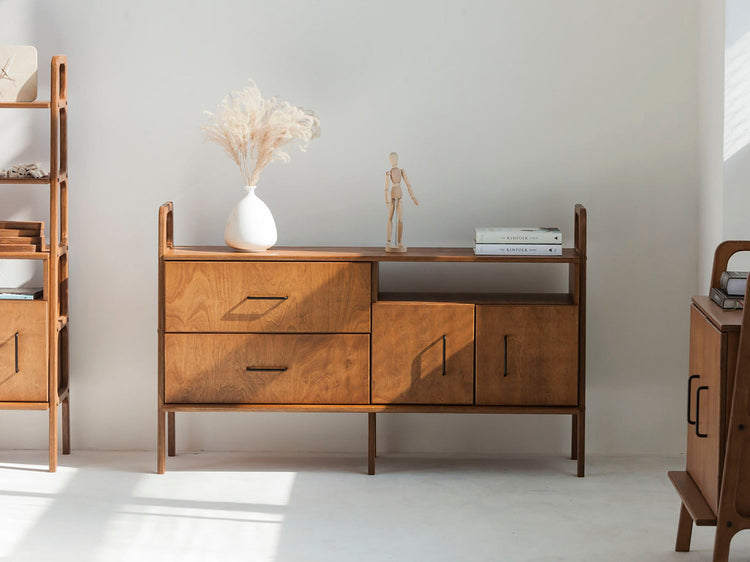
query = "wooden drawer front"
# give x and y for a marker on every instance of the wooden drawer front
(24, 380)
(267, 297)
(310, 369)
(527, 355)
(410, 364)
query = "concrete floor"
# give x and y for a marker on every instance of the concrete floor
(104, 506)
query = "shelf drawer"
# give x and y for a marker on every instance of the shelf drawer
(422, 353)
(267, 297)
(23, 351)
(267, 368)
(527, 355)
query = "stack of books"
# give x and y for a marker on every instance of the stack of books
(730, 294)
(20, 294)
(17, 236)
(503, 241)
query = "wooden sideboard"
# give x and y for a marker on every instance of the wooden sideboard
(307, 329)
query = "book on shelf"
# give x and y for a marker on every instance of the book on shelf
(20, 294)
(725, 301)
(518, 249)
(515, 235)
(733, 283)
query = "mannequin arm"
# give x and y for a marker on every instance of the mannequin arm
(408, 186)
(387, 183)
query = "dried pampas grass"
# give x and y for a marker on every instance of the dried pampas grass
(253, 130)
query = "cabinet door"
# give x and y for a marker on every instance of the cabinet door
(527, 355)
(23, 351)
(704, 412)
(422, 353)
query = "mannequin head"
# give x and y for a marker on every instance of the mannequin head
(394, 159)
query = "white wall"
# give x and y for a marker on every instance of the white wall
(503, 112)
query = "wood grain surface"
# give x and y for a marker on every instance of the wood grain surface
(29, 319)
(267, 297)
(539, 367)
(317, 369)
(407, 353)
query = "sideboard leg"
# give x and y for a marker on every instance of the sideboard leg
(371, 448)
(170, 433)
(160, 443)
(581, 443)
(574, 438)
(684, 530)
(721, 543)
(66, 425)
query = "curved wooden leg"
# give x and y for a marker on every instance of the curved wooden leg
(161, 439)
(684, 530)
(723, 537)
(371, 443)
(170, 434)
(66, 425)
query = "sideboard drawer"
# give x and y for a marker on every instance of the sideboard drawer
(267, 368)
(527, 355)
(267, 297)
(23, 351)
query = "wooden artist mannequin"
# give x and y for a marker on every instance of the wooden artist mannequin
(393, 202)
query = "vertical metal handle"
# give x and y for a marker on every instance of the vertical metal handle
(690, 397)
(16, 351)
(505, 359)
(698, 412)
(445, 336)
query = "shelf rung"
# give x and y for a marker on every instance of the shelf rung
(692, 499)
(25, 104)
(22, 181)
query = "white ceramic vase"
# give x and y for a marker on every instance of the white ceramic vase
(250, 226)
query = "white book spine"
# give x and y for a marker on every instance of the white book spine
(518, 249)
(516, 236)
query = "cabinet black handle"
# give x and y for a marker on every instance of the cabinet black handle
(690, 397)
(698, 411)
(16, 351)
(267, 298)
(445, 336)
(505, 358)
(251, 369)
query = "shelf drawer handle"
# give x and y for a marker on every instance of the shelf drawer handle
(698, 412)
(445, 336)
(254, 369)
(16, 338)
(505, 356)
(267, 298)
(690, 397)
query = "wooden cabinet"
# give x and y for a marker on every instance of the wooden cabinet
(527, 355)
(307, 329)
(23, 351)
(34, 334)
(422, 353)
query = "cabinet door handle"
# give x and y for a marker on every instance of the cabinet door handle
(698, 412)
(16, 337)
(505, 357)
(253, 369)
(445, 337)
(251, 298)
(690, 397)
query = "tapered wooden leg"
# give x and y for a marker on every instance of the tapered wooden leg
(161, 439)
(574, 438)
(581, 443)
(170, 434)
(684, 530)
(53, 435)
(371, 449)
(723, 537)
(66, 425)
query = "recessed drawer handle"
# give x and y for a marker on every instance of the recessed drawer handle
(505, 357)
(445, 336)
(698, 411)
(690, 397)
(16, 351)
(267, 298)
(252, 369)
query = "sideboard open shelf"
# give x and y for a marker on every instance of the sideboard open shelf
(306, 329)
(34, 334)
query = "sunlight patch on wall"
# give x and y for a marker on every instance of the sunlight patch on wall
(737, 97)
